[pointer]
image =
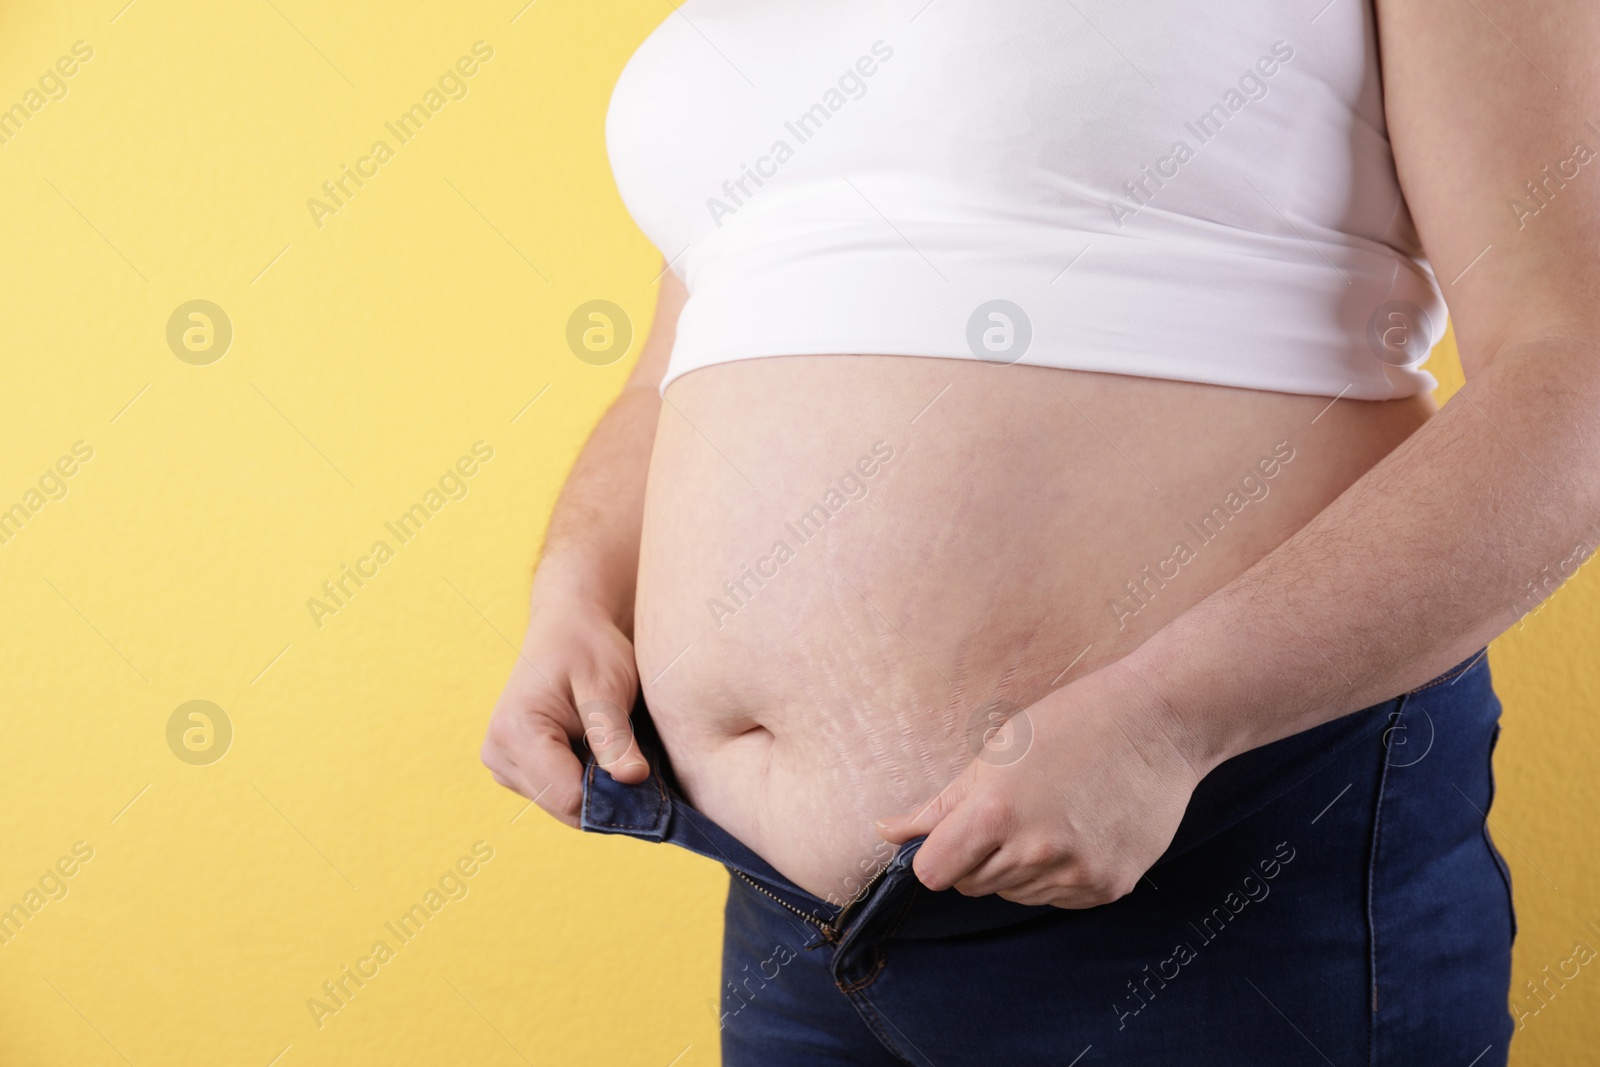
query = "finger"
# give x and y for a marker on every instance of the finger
(1071, 888)
(532, 750)
(1068, 898)
(608, 731)
(557, 801)
(901, 828)
(1034, 883)
(959, 843)
(984, 879)
(995, 872)
(1024, 866)
(507, 774)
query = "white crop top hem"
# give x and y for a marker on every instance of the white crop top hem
(891, 302)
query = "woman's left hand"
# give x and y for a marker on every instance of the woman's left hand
(1068, 803)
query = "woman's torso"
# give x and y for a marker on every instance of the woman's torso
(821, 646)
(850, 560)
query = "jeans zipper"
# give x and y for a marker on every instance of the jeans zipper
(866, 891)
(830, 931)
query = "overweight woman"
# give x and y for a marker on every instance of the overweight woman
(1026, 552)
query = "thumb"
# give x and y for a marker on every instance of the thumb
(902, 828)
(608, 733)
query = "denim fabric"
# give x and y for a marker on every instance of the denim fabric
(1331, 898)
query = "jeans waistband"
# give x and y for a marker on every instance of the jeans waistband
(655, 810)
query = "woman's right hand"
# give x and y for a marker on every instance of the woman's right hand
(575, 678)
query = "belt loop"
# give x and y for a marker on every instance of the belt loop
(610, 807)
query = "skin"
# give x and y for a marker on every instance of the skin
(1399, 573)
(976, 565)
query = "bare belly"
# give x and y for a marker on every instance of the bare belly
(849, 562)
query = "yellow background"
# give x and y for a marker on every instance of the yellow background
(369, 354)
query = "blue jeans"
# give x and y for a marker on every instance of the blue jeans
(1333, 897)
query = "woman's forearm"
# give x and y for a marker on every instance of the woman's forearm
(591, 549)
(1423, 560)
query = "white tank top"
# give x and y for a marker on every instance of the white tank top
(1184, 190)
